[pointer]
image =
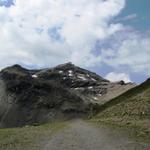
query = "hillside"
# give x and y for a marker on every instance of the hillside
(46, 95)
(129, 109)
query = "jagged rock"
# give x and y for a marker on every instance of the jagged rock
(62, 92)
(121, 82)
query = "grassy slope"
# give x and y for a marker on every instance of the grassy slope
(131, 109)
(27, 138)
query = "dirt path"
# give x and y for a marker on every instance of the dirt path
(81, 135)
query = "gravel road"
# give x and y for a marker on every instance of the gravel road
(81, 135)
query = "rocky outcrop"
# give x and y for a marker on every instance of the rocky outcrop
(62, 92)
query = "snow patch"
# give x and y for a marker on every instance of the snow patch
(34, 76)
(79, 88)
(70, 73)
(93, 79)
(87, 75)
(90, 87)
(82, 77)
(95, 98)
(60, 71)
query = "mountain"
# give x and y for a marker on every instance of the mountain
(63, 92)
(132, 108)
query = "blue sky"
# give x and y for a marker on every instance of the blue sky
(111, 38)
(142, 9)
(6, 3)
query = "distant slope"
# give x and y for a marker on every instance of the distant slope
(131, 108)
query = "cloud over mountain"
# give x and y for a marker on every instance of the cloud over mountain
(44, 33)
(114, 77)
(50, 32)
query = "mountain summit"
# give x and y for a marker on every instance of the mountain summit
(63, 92)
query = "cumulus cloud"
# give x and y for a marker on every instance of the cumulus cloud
(49, 32)
(131, 52)
(45, 33)
(114, 77)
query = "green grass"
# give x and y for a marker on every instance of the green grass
(133, 127)
(129, 110)
(29, 137)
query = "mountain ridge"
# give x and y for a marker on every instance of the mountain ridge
(62, 92)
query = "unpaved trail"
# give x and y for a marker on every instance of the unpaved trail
(80, 135)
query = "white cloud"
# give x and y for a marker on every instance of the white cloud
(114, 77)
(24, 31)
(49, 32)
(131, 52)
(128, 17)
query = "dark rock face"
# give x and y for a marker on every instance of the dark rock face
(38, 96)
